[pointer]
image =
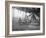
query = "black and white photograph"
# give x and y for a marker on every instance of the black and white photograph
(25, 18)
